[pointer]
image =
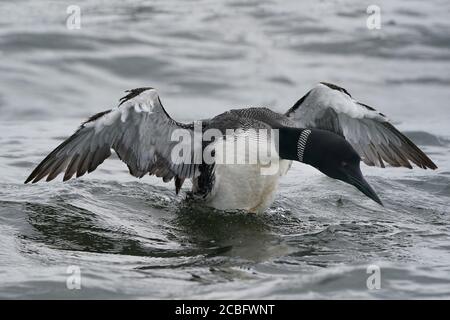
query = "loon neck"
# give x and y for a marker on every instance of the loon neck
(292, 143)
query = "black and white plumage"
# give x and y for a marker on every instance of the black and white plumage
(376, 140)
(139, 130)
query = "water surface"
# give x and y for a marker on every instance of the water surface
(135, 238)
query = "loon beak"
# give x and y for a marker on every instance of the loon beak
(356, 179)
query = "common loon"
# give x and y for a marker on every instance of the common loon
(326, 129)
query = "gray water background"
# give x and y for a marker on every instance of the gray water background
(134, 238)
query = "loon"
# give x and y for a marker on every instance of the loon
(327, 129)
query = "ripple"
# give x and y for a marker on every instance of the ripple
(136, 238)
(425, 138)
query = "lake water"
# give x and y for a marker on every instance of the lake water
(133, 238)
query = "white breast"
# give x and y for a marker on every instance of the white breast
(250, 187)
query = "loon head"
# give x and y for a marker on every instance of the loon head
(328, 152)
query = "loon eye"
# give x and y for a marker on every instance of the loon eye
(344, 163)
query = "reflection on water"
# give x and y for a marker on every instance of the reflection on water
(136, 238)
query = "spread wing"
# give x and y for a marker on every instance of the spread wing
(332, 108)
(139, 130)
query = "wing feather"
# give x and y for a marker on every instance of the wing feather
(377, 141)
(139, 131)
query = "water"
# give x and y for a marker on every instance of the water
(134, 238)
